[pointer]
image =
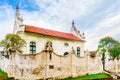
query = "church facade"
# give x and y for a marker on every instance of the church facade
(39, 39)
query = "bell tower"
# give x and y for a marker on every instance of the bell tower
(76, 32)
(73, 28)
(18, 24)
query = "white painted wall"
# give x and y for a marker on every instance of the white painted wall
(58, 44)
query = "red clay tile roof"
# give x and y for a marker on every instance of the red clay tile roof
(43, 31)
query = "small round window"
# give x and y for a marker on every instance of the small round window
(66, 44)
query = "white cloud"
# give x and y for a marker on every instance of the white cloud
(6, 10)
(108, 27)
(6, 20)
(58, 14)
(65, 10)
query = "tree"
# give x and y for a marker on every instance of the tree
(12, 42)
(108, 44)
(115, 51)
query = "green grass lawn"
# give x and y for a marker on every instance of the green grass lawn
(3, 75)
(92, 76)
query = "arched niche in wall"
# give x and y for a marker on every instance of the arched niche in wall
(66, 53)
(49, 49)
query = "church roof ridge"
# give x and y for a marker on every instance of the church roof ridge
(54, 33)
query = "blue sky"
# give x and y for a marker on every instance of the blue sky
(97, 18)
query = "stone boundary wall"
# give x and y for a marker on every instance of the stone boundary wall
(112, 65)
(50, 65)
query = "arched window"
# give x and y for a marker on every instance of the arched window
(32, 47)
(78, 51)
(49, 44)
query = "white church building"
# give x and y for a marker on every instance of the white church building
(49, 54)
(39, 38)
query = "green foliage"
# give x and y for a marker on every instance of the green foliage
(12, 41)
(115, 52)
(109, 44)
(103, 50)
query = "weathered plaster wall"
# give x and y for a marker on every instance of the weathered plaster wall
(95, 64)
(112, 65)
(41, 66)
